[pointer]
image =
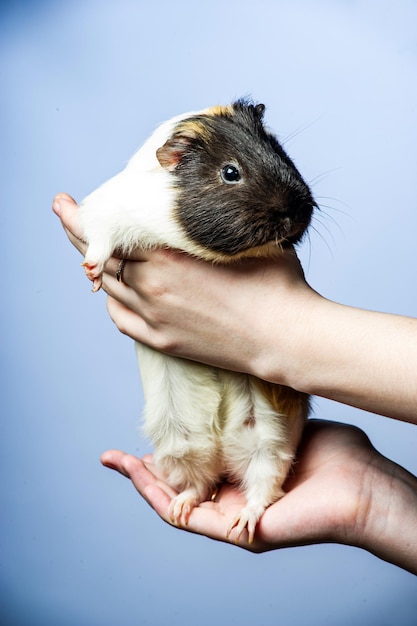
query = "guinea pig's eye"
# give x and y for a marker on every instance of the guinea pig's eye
(230, 173)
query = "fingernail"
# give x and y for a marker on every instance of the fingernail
(56, 207)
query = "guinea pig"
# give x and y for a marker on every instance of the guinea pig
(216, 184)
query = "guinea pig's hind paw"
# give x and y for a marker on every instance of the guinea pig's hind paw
(245, 519)
(181, 506)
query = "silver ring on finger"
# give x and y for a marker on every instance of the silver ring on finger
(119, 273)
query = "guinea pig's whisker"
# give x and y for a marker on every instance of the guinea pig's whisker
(299, 130)
(322, 215)
(321, 236)
(320, 177)
(331, 207)
(325, 216)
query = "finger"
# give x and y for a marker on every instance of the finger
(159, 500)
(62, 196)
(119, 289)
(113, 459)
(121, 271)
(77, 243)
(127, 322)
(67, 210)
(142, 478)
(142, 474)
(131, 467)
(128, 465)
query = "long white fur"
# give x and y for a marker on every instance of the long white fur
(205, 423)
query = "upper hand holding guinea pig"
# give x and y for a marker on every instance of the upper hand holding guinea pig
(261, 317)
(217, 314)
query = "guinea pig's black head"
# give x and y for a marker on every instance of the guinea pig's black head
(236, 188)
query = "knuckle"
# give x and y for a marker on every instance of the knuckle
(122, 327)
(154, 289)
(164, 344)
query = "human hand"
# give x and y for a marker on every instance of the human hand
(222, 315)
(341, 490)
(323, 493)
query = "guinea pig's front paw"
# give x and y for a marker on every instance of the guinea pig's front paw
(94, 272)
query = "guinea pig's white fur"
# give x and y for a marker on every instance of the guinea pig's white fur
(134, 208)
(206, 424)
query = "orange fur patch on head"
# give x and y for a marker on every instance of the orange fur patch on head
(193, 129)
(220, 110)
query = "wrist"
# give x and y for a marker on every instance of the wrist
(385, 520)
(286, 349)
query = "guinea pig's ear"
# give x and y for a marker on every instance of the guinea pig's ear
(260, 110)
(173, 150)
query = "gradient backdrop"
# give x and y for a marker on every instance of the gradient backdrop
(82, 85)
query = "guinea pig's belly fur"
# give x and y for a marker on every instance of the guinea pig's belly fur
(209, 424)
(206, 424)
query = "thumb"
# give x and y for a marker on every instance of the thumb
(65, 207)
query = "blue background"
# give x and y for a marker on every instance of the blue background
(82, 85)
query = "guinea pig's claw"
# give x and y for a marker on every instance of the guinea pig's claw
(244, 520)
(96, 284)
(93, 273)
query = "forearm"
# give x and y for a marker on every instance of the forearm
(361, 358)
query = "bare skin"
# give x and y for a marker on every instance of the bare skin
(262, 317)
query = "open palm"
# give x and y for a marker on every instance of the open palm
(324, 491)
